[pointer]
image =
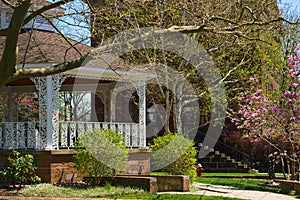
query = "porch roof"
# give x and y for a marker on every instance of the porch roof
(38, 49)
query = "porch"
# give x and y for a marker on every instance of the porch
(50, 134)
(105, 92)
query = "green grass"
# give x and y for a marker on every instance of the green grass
(247, 184)
(174, 196)
(214, 174)
(218, 174)
(159, 173)
(47, 190)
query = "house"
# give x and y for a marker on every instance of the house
(51, 136)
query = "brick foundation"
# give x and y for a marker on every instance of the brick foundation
(57, 165)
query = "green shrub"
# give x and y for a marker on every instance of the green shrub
(21, 170)
(100, 153)
(166, 148)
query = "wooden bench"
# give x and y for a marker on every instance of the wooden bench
(287, 185)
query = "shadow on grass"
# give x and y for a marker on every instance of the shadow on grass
(173, 196)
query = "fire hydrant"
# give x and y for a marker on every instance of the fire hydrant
(200, 169)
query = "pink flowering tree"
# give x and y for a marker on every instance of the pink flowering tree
(274, 120)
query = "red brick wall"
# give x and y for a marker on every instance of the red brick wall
(57, 165)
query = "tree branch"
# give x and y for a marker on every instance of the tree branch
(45, 71)
(197, 29)
(8, 3)
(62, 35)
(44, 9)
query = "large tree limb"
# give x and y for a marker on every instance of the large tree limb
(9, 56)
(203, 27)
(46, 71)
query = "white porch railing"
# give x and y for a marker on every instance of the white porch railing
(69, 131)
(25, 135)
(18, 135)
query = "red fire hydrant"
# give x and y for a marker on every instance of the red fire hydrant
(200, 169)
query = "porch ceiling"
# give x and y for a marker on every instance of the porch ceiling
(70, 80)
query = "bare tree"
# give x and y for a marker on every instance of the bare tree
(24, 13)
(243, 37)
(233, 21)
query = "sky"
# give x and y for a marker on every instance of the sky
(293, 5)
(291, 1)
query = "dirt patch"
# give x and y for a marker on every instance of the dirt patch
(8, 192)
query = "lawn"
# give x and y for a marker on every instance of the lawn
(47, 190)
(220, 174)
(225, 174)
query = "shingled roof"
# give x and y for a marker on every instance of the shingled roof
(37, 46)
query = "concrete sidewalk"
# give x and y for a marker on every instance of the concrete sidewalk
(225, 191)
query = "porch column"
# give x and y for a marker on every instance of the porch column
(141, 92)
(112, 102)
(48, 88)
